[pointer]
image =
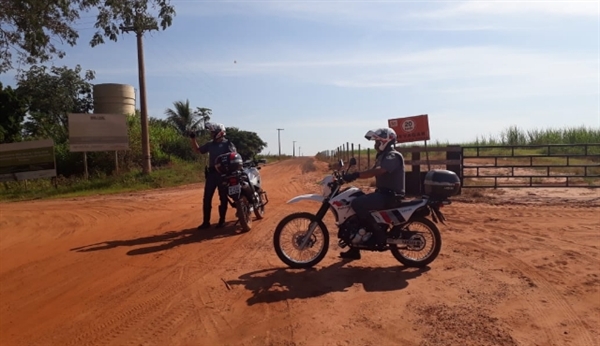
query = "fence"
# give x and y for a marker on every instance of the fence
(415, 157)
(554, 165)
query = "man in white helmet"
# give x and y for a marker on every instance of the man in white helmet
(218, 146)
(389, 182)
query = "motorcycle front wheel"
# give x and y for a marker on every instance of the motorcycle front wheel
(259, 212)
(242, 207)
(309, 248)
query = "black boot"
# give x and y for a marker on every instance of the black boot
(378, 237)
(206, 224)
(353, 254)
(222, 214)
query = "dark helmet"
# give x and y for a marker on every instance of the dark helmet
(229, 162)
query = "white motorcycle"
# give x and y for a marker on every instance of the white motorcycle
(413, 239)
(244, 185)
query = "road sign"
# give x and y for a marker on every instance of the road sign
(27, 160)
(98, 132)
(411, 129)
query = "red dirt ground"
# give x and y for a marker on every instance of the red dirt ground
(133, 270)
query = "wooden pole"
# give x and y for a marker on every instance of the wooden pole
(116, 162)
(85, 165)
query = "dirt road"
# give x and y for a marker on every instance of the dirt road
(133, 270)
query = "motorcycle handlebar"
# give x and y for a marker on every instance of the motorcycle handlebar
(338, 179)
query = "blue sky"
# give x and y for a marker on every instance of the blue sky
(328, 71)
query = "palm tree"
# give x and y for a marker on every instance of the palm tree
(183, 118)
(204, 115)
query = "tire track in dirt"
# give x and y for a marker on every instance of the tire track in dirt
(163, 282)
(212, 325)
(489, 236)
(136, 310)
(136, 313)
(258, 252)
(257, 248)
(546, 289)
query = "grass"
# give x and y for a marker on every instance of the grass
(515, 136)
(177, 174)
(536, 148)
(180, 173)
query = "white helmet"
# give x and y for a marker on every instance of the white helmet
(216, 130)
(385, 136)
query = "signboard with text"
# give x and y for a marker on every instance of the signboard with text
(411, 129)
(27, 160)
(98, 132)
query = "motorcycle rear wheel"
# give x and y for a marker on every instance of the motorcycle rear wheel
(433, 253)
(320, 228)
(242, 207)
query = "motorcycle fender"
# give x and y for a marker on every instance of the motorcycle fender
(307, 197)
(440, 216)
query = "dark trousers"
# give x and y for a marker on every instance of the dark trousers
(213, 182)
(363, 206)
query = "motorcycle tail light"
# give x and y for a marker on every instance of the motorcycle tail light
(233, 181)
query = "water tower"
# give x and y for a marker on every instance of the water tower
(114, 98)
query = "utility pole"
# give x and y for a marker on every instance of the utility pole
(139, 31)
(294, 150)
(279, 139)
(299, 152)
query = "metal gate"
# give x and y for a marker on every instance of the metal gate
(553, 165)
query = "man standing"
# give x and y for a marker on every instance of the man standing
(389, 181)
(218, 146)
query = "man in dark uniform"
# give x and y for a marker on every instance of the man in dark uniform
(218, 146)
(389, 181)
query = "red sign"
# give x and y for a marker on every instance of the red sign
(411, 129)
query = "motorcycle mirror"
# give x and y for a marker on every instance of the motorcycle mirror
(352, 161)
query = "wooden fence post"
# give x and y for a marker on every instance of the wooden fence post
(358, 157)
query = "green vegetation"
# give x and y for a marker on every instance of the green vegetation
(516, 136)
(514, 147)
(549, 141)
(178, 173)
(47, 96)
(32, 28)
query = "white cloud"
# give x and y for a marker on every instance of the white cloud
(504, 8)
(467, 15)
(494, 70)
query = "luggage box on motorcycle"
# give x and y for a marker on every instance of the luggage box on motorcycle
(441, 183)
(228, 163)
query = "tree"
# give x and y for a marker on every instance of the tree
(204, 115)
(182, 117)
(248, 144)
(51, 95)
(12, 114)
(29, 28)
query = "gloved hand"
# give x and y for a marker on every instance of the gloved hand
(350, 177)
(192, 134)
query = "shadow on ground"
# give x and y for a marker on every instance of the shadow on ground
(164, 241)
(273, 285)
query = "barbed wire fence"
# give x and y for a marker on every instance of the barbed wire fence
(346, 151)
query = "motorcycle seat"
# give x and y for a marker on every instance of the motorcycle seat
(405, 203)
